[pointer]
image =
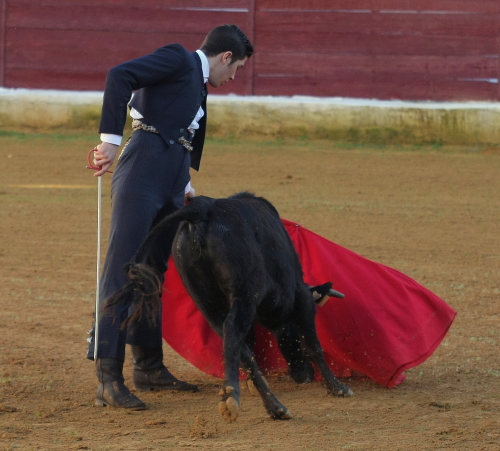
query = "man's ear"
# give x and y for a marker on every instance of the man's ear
(226, 57)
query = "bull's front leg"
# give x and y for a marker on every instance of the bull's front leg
(315, 351)
(236, 327)
(305, 319)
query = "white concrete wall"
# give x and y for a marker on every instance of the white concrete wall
(355, 120)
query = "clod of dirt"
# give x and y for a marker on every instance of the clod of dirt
(444, 406)
(7, 409)
(203, 429)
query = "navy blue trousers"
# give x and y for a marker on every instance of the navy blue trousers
(148, 184)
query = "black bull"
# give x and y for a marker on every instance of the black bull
(240, 266)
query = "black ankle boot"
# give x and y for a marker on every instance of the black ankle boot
(112, 390)
(151, 374)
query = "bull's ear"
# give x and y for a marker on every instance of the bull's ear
(321, 301)
(320, 293)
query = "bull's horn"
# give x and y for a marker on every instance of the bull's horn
(336, 294)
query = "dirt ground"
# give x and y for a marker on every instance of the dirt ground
(430, 212)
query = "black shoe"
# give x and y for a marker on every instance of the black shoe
(151, 374)
(112, 390)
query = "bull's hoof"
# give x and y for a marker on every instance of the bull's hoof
(281, 413)
(229, 407)
(341, 392)
(252, 388)
(349, 392)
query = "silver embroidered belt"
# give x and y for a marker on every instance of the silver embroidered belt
(137, 124)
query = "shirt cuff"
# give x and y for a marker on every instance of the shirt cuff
(111, 139)
(188, 188)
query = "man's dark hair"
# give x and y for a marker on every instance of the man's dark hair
(227, 38)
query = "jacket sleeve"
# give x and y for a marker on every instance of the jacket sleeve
(164, 64)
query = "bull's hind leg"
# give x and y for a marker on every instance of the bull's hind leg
(236, 327)
(274, 407)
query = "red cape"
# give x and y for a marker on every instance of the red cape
(386, 324)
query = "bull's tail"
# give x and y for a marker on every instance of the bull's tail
(145, 272)
(143, 290)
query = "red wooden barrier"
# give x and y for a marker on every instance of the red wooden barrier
(2, 41)
(72, 44)
(404, 49)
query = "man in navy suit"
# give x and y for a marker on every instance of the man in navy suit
(151, 180)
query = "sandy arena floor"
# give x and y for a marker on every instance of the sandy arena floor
(432, 213)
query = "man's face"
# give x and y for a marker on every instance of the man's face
(223, 70)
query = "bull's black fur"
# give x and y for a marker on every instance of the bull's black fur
(239, 264)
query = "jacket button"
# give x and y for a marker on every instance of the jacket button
(203, 93)
(181, 130)
(171, 142)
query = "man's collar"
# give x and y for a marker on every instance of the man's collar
(205, 66)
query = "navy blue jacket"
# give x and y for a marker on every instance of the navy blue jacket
(170, 89)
